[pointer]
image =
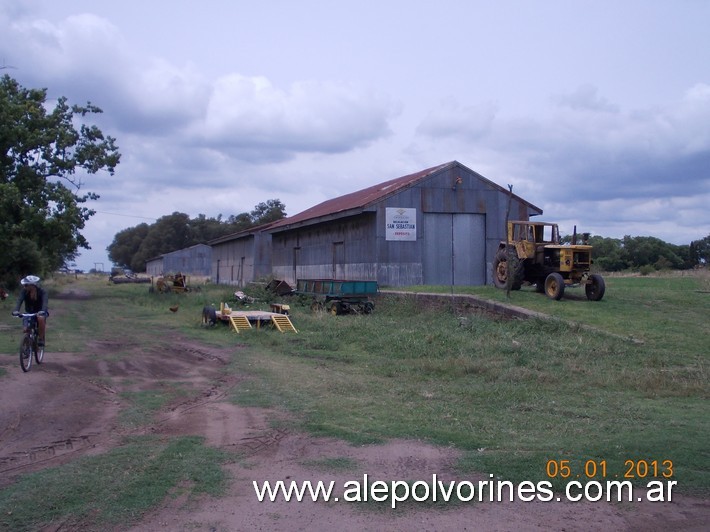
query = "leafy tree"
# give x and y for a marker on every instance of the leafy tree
(700, 251)
(126, 243)
(267, 212)
(43, 158)
(652, 251)
(608, 254)
(169, 233)
(132, 247)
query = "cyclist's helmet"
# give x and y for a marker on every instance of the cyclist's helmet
(30, 280)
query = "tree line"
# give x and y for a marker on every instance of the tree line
(133, 247)
(646, 253)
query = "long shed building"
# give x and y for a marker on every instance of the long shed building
(438, 226)
(242, 257)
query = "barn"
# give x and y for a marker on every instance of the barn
(243, 257)
(438, 226)
(195, 260)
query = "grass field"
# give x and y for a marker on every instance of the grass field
(512, 394)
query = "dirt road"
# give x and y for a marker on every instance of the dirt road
(68, 407)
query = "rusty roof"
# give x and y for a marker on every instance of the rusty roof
(241, 234)
(357, 201)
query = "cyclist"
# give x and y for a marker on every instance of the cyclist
(35, 300)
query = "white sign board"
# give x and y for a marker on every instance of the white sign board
(401, 224)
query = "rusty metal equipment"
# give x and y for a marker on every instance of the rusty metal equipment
(177, 283)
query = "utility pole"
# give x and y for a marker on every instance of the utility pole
(508, 248)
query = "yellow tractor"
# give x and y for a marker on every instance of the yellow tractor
(534, 254)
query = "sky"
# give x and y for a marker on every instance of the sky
(597, 112)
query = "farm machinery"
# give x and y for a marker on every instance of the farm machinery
(338, 297)
(534, 254)
(125, 276)
(177, 283)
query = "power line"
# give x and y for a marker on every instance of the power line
(127, 215)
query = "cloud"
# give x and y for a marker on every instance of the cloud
(253, 120)
(227, 119)
(588, 148)
(451, 119)
(79, 50)
(246, 118)
(586, 98)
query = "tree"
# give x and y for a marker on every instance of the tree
(169, 233)
(43, 159)
(132, 247)
(652, 251)
(267, 212)
(608, 254)
(126, 244)
(700, 251)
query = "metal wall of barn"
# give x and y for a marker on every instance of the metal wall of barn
(154, 267)
(465, 216)
(195, 260)
(242, 260)
(341, 249)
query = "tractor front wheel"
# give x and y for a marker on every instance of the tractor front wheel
(555, 286)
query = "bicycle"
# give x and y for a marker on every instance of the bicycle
(30, 341)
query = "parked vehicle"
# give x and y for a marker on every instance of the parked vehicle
(534, 254)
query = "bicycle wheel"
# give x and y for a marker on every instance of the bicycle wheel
(39, 353)
(26, 353)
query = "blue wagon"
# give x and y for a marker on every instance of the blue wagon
(339, 297)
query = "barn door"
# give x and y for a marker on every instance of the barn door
(454, 249)
(338, 260)
(296, 262)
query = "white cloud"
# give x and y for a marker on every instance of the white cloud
(612, 134)
(250, 116)
(586, 98)
(450, 118)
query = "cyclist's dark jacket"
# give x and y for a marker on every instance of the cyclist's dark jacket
(36, 305)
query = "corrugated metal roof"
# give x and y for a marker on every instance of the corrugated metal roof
(358, 200)
(241, 234)
(355, 202)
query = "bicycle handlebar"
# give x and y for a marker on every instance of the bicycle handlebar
(29, 314)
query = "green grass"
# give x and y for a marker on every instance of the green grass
(621, 379)
(659, 310)
(512, 394)
(115, 488)
(337, 465)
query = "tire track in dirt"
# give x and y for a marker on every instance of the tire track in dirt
(94, 382)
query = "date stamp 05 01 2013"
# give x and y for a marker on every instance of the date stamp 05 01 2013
(591, 469)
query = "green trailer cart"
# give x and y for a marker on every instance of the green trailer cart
(339, 297)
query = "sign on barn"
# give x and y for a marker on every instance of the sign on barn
(401, 223)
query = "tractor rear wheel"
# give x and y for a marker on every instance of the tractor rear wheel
(595, 288)
(501, 271)
(555, 286)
